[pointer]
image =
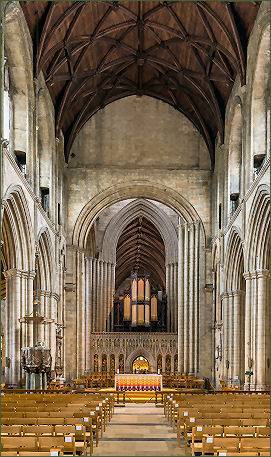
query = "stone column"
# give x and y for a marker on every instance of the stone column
(29, 306)
(185, 304)
(191, 312)
(237, 343)
(112, 291)
(87, 314)
(180, 299)
(94, 297)
(52, 326)
(24, 329)
(13, 331)
(261, 375)
(225, 349)
(253, 328)
(168, 295)
(108, 297)
(230, 334)
(196, 295)
(101, 298)
(247, 338)
(171, 323)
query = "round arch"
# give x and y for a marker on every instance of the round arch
(137, 189)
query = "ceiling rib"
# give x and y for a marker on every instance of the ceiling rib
(93, 53)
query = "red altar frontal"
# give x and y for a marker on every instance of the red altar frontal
(138, 382)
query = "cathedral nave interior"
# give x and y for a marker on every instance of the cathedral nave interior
(135, 227)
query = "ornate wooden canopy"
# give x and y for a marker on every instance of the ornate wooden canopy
(141, 248)
(185, 53)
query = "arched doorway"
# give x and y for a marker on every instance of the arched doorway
(140, 365)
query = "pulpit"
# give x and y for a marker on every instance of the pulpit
(36, 361)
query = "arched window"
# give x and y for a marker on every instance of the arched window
(260, 108)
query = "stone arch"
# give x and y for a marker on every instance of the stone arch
(137, 208)
(17, 230)
(137, 353)
(137, 189)
(234, 310)
(257, 241)
(18, 252)
(234, 264)
(46, 271)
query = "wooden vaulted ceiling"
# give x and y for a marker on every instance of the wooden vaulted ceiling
(140, 248)
(184, 53)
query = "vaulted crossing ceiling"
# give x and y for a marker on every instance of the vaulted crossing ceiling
(141, 248)
(186, 54)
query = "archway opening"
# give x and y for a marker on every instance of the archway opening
(140, 280)
(140, 365)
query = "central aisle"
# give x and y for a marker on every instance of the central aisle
(138, 430)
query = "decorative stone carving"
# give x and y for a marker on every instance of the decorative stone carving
(129, 344)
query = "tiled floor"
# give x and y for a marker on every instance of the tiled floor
(139, 430)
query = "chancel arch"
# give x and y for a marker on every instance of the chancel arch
(136, 189)
(184, 242)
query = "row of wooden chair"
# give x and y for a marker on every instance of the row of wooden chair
(65, 444)
(240, 445)
(81, 417)
(224, 424)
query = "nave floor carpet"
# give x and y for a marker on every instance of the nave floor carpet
(139, 430)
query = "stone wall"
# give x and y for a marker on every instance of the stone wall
(240, 266)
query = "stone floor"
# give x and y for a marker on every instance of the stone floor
(139, 430)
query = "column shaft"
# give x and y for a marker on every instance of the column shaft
(237, 297)
(196, 298)
(261, 354)
(180, 299)
(186, 303)
(191, 335)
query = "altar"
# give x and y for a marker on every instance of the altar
(138, 382)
